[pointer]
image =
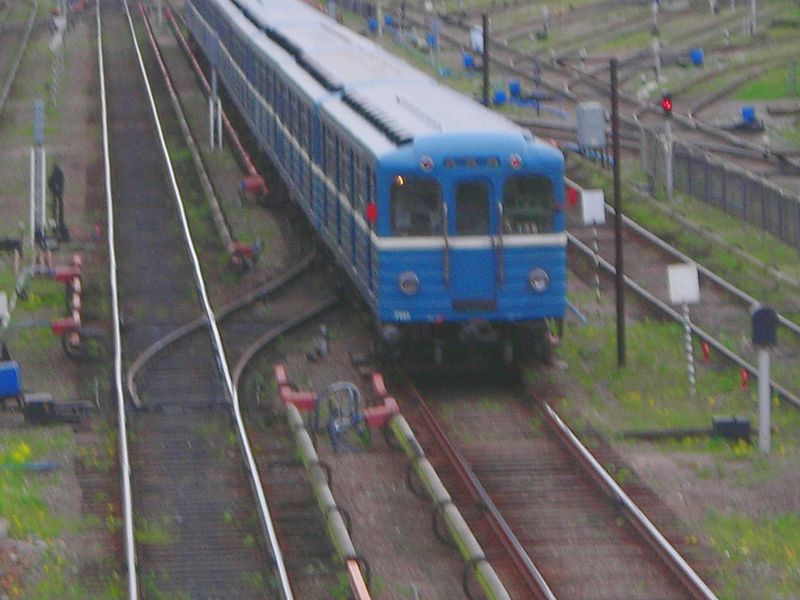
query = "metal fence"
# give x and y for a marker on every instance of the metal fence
(725, 186)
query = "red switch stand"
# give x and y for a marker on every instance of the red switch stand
(69, 328)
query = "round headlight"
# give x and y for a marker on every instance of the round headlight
(408, 282)
(538, 279)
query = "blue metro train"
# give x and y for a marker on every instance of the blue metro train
(448, 217)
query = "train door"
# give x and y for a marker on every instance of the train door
(473, 270)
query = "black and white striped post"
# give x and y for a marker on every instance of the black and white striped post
(687, 327)
(593, 207)
(684, 289)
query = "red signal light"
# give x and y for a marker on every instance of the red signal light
(372, 213)
(666, 104)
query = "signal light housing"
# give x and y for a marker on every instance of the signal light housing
(666, 104)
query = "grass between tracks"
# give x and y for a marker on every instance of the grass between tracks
(770, 542)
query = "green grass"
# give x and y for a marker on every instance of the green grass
(57, 581)
(772, 85)
(22, 500)
(762, 554)
(659, 217)
(151, 533)
(653, 392)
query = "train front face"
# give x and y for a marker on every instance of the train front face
(472, 247)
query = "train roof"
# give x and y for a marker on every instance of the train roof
(402, 102)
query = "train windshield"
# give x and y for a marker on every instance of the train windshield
(416, 207)
(528, 204)
(472, 208)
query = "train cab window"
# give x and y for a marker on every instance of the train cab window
(416, 207)
(472, 208)
(528, 204)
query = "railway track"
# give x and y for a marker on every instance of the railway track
(247, 326)
(518, 483)
(14, 36)
(201, 530)
(721, 319)
(575, 84)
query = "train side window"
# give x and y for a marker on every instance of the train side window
(345, 165)
(370, 184)
(472, 208)
(528, 204)
(359, 183)
(330, 154)
(416, 207)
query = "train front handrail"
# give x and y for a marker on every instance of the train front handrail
(500, 248)
(446, 246)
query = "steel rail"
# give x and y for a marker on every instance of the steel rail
(355, 577)
(666, 247)
(12, 74)
(261, 292)
(217, 211)
(599, 84)
(690, 579)
(215, 335)
(522, 561)
(644, 294)
(124, 460)
(729, 287)
(274, 333)
(244, 156)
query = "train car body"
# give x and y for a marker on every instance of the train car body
(447, 217)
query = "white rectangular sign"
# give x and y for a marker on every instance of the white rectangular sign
(593, 205)
(4, 316)
(684, 287)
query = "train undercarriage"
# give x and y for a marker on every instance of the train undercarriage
(474, 343)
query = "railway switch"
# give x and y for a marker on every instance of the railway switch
(69, 328)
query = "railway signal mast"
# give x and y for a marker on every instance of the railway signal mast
(37, 191)
(657, 58)
(765, 321)
(666, 109)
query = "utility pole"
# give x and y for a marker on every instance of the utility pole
(618, 253)
(38, 198)
(485, 20)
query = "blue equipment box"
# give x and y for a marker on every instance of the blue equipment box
(9, 379)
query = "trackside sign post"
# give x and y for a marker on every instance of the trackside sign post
(593, 206)
(765, 323)
(684, 289)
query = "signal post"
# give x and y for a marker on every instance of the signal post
(666, 109)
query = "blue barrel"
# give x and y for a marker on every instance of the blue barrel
(748, 114)
(469, 61)
(372, 24)
(697, 56)
(433, 40)
(9, 379)
(515, 88)
(499, 98)
(388, 20)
